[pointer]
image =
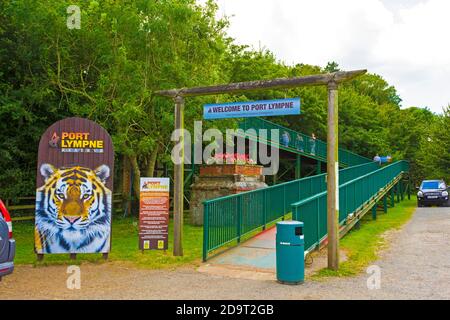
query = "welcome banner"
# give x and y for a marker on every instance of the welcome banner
(263, 108)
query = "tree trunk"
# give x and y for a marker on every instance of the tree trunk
(126, 181)
(152, 162)
(137, 175)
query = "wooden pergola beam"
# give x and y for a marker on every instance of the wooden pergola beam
(281, 83)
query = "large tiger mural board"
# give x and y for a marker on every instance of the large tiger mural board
(74, 189)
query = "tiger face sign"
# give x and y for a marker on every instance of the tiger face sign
(73, 210)
(74, 183)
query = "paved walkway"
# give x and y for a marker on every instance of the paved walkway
(255, 259)
(417, 266)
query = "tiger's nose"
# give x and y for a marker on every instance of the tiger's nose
(72, 219)
(72, 209)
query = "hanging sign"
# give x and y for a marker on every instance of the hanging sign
(154, 213)
(74, 188)
(263, 108)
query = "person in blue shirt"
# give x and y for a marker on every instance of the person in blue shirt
(377, 158)
(300, 142)
(285, 139)
(312, 142)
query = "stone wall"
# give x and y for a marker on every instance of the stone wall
(208, 187)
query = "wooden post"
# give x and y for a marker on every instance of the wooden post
(178, 200)
(374, 211)
(385, 207)
(333, 178)
(409, 189)
(392, 197)
(402, 190)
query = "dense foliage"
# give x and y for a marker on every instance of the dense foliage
(125, 50)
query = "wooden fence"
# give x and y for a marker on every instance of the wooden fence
(23, 208)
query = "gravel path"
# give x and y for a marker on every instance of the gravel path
(417, 266)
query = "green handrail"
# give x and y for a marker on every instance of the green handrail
(228, 218)
(353, 194)
(301, 143)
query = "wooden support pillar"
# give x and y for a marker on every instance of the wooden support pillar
(319, 167)
(385, 206)
(333, 178)
(409, 189)
(374, 211)
(402, 190)
(392, 197)
(178, 195)
(298, 167)
(397, 191)
(192, 162)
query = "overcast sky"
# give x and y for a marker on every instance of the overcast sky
(405, 41)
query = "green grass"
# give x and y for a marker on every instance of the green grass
(124, 247)
(363, 245)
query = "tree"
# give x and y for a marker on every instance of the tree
(109, 69)
(433, 158)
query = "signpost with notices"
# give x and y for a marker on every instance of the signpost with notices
(154, 214)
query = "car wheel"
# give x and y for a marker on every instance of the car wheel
(420, 204)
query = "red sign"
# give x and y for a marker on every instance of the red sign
(154, 213)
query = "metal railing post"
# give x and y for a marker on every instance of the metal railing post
(239, 218)
(205, 231)
(264, 209)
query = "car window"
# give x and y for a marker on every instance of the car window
(430, 185)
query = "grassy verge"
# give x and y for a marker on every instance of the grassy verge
(124, 247)
(363, 245)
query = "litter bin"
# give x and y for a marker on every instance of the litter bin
(290, 248)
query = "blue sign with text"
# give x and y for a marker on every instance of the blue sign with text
(263, 108)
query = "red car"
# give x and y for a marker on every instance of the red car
(7, 243)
